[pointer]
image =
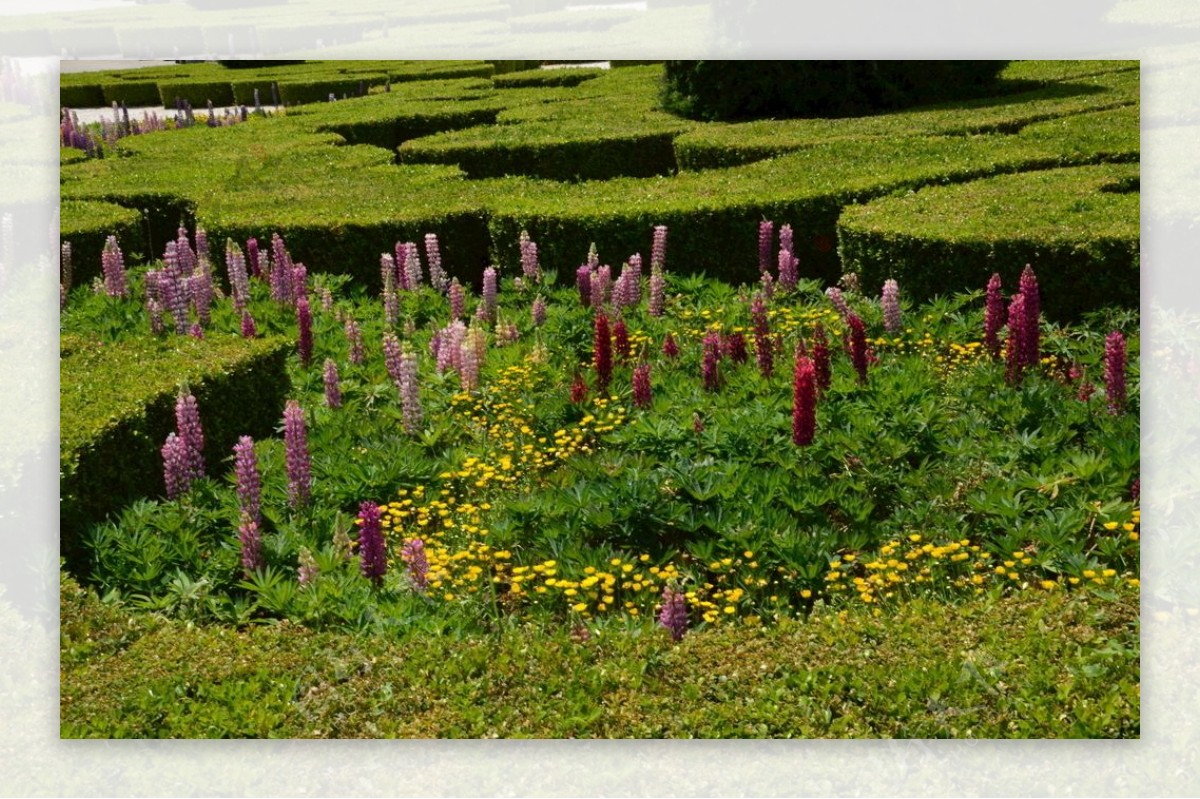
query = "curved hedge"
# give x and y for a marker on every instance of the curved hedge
(1078, 228)
(88, 224)
(83, 95)
(546, 77)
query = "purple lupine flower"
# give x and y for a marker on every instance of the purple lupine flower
(372, 548)
(65, 267)
(620, 335)
(1114, 371)
(804, 401)
(890, 301)
(252, 260)
(401, 261)
(177, 472)
(583, 283)
(202, 253)
(239, 279)
(602, 351)
(249, 480)
(250, 539)
(710, 371)
(858, 346)
(674, 613)
(641, 385)
(299, 465)
(196, 331)
(787, 270)
(1031, 353)
(304, 320)
(281, 271)
(766, 237)
(387, 271)
(1015, 345)
(391, 299)
(449, 346)
(529, 258)
(993, 316)
(433, 254)
(658, 290)
(113, 265)
(333, 389)
(821, 358)
(391, 356)
(669, 347)
(458, 300)
(601, 285)
(249, 329)
(413, 555)
(538, 311)
(200, 288)
(490, 289)
(307, 569)
(187, 425)
(619, 295)
(733, 346)
(155, 311)
(763, 351)
(785, 239)
(633, 279)
(839, 301)
(299, 282)
(410, 398)
(412, 265)
(658, 247)
(355, 340)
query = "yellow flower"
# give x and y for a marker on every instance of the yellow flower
(579, 607)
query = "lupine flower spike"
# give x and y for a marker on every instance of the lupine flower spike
(602, 352)
(1114, 371)
(673, 615)
(890, 302)
(372, 549)
(804, 401)
(993, 317)
(299, 467)
(641, 385)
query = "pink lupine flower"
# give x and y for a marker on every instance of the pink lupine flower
(250, 539)
(412, 266)
(674, 614)
(1031, 354)
(1114, 371)
(658, 291)
(890, 302)
(538, 311)
(249, 329)
(391, 356)
(658, 249)
(299, 465)
(839, 301)
(433, 254)
(632, 273)
(858, 346)
(196, 331)
(710, 371)
(239, 279)
(993, 316)
(529, 258)
(787, 270)
(641, 385)
(602, 352)
(410, 399)
(372, 548)
(249, 480)
(601, 285)
(413, 555)
(804, 402)
(490, 290)
(113, 264)
(1015, 346)
(768, 285)
(177, 472)
(355, 340)
(583, 283)
(333, 389)
(766, 238)
(785, 239)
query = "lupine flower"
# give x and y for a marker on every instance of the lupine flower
(391, 300)
(579, 389)
(621, 339)
(697, 422)
(710, 371)
(468, 362)
(674, 614)
(821, 358)
(196, 331)
(1033, 308)
(299, 465)
(787, 269)
(249, 481)
(601, 285)
(187, 425)
(281, 271)
(371, 546)
(858, 346)
(1085, 391)
(410, 398)
(449, 346)
(307, 570)
(804, 401)
(658, 249)
(993, 316)
(593, 257)
(1015, 346)
(433, 254)
(412, 265)
(155, 311)
(387, 270)
(252, 257)
(620, 296)
(239, 279)
(583, 283)
(633, 279)
(890, 302)
(641, 385)
(762, 336)
(766, 237)
(669, 347)
(413, 554)
(333, 390)
(177, 472)
(734, 346)
(658, 290)
(529, 258)
(839, 301)
(250, 539)
(354, 338)
(602, 352)
(326, 300)
(785, 239)
(458, 301)
(490, 289)
(113, 264)
(538, 311)
(304, 320)
(768, 285)
(249, 329)
(391, 356)
(299, 281)
(401, 264)
(65, 267)
(1114, 371)
(1135, 490)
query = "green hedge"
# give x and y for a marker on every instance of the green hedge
(118, 405)
(546, 77)
(317, 90)
(132, 93)
(198, 93)
(88, 224)
(82, 95)
(1078, 227)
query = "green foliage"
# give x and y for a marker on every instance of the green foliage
(88, 224)
(198, 93)
(83, 95)
(131, 93)
(546, 77)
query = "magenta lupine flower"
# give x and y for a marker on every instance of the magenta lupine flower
(1015, 345)
(372, 549)
(468, 365)
(333, 389)
(804, 402)
(355, 340)
(839, 301)
(621, 339)
(249, 329)
(250, 539)
(412, 265)
(449, 346)
(787, 269)
(763, 350)
(1085, 391)
(304, 320)
(602, 352)
(890, 302)
(658, 291)
(734, 346)
(1114, 371)
(579, 389)
(410, 398)
(239, 279)
(433, 254)
(307, 569)
(538, 311)
(529, 258)
(281, 271)
(252, 257)
(641, 385)
(858, 346)
(249, 480)
(821, 358)
(113, 264)
(674, 613)
(458, 300)
(1033, 308)
(177, 472)
(620, 296)
(669, 347)
(299, 281)
(401, 261)
(187, 425)
(658, 248)
(993, 316)
(583, 284)
(299, 464)
(785, 239)
(490, 289)
(196, 331)
(413, 555)
(601, 285)
(174, 292)
(766, 238)
(391, 356)
(66, 268)
(710, 371)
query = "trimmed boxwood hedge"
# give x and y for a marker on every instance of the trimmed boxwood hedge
(118, 405)
(316, 90)
(198, 93)
(88, 224)
(1077, 227)
(546, 77)
(82, 95)
(131, 93)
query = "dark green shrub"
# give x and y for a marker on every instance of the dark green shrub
(198, 93)
(81, 95)
(132, 93)
(86, 225)
(729, 90)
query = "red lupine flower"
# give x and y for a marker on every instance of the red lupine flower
(993, 316)
(1015, 345)
(858, 346)
(602, 352)
(1114, 371)
(710, 370)
(641, 385)
(579, 389)
(804, 401)
(669, 347)
(1031, 353)
(621, 339)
